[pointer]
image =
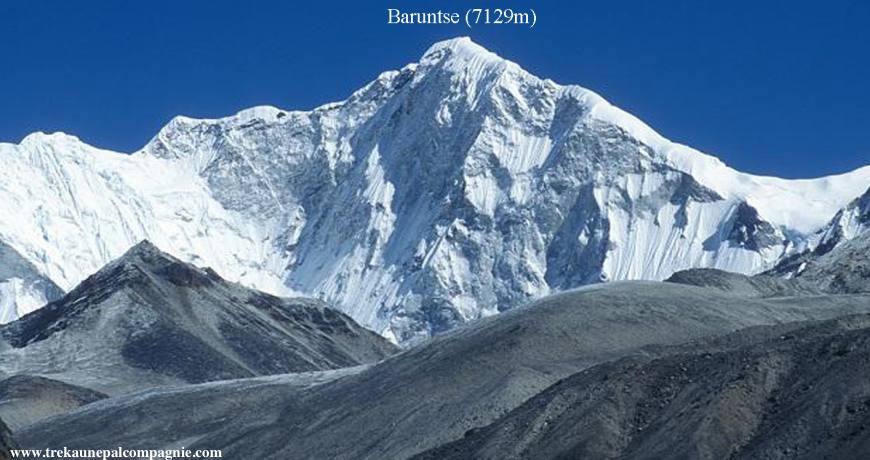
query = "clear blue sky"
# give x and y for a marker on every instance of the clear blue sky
(770, 87)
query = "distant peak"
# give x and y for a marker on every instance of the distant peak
(143, 246)
(145, 256)
(148, 253)
(40, 137)
(261, 112)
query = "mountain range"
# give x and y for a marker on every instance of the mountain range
(452, 189)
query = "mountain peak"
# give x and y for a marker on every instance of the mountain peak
(55, 138)
(145, 249)
(147, 254)
(147, 257)
(464, 50)
(459, 45)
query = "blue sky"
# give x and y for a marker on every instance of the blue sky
(770, 87)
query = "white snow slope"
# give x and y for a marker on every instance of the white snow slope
(451, 189)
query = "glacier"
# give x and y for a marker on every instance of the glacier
(454, 188)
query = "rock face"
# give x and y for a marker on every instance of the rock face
(147, 319)
(436, 392)
(449, 190)
(845, 269)
(779, 392)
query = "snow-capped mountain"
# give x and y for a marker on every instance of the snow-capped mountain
(451, 189)
(847, 224)
(837, 256)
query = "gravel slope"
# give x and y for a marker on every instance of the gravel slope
(779, 392)
(435, 393)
